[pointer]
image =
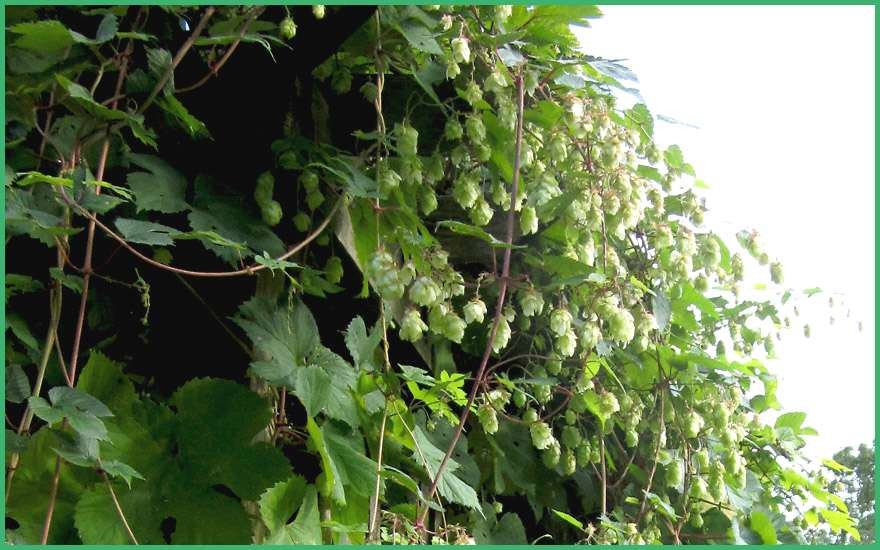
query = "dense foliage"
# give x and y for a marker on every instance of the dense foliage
(543, 340)
(855, 482)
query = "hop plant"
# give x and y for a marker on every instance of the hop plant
(502, 336)
(264, 189)
(571, 437)
(776, 273)
(567, 343)
(318, 11)
(407, 140)
(568, 462)
(528, 220)
(412, 326)
(424, 292)
(461, 50)
(488, 419)
(383, 272)
(474, 311)
(542, 435)
(591, 334)
(475, 129)
(531, 302)
(287, 28)
(453, 130)
(608, 404)
(272, 212)
(560, 321)
(453, 327)
(472, 93)
(466, 190)
(550, 455)
(481, 213)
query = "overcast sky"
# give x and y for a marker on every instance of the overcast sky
(784, 100)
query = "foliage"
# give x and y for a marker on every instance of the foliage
(587, 370)
(851, 473)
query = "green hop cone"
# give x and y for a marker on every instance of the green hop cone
(407, 140)
(699, 488)
(542, 435)
(302, 222)
(674, 473)
(530, 416)
(776, 273)
(333, 270)
(318, 11)
(531, 302)
(498, 507)
(272, 212)
(571, 437)
(550, 455)
(474, 311)
(453, 327)
(461, 50)
(475, 129)
(314, 199)
(608, 404)
(632, 438)
(567, 343)
(309, 181)
(424, 292)
(427, 199)
(287, 28)
(568, 462)
(265, 188)
(560, 321)
(412, 326)
(488, 419)
(453, 130)
(519, 399)
(582, 453)
(693, 423)
(472, 93)
(481, 214)
(528, 220)
(502, 336)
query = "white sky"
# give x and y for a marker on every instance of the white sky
(784, 100)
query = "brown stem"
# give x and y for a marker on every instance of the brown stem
(119, 508)
(254, 268)
(226, 55)
(87, 275)
(175, 61)
(499, 307)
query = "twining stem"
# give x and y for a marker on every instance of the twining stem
(51, 334)
(215, 68)
(175, 61)
(504, 280)
(87, 275)
(604, 478)
(373, 533)
(119, 508)
(250, 270)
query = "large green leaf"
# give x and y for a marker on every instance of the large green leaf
(345, 466)
(98, 522)
(450, 487)
(161, 189)
(280, 501)
(41, 36)
(360, 345)
(142, 232)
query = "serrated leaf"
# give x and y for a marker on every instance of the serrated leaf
(21, 284)
(227, 522)
(306, 528)
(312, 388)
(82, 98)
(159, 62)
(67, 280)
(141, 232)
(119, 469)
(106, 30)
(181, 116)
(19, 328)
(41, 36)
(97, 521)
(340, 403)
(161, 189)
(104, 379)
(450, 487)
(419, 37)
(360, 345)
(280, 501)
(18, 386)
